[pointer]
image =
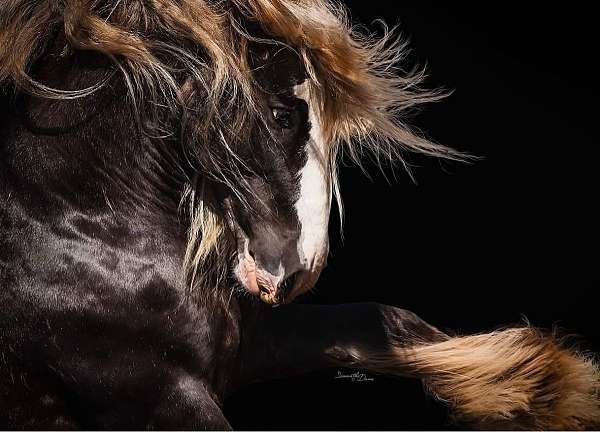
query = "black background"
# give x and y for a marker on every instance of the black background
(468, 247)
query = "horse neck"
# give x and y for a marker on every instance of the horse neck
(87, 155)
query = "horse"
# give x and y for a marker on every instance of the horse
(168, 169)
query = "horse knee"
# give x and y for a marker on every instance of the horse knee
(187, 404)
(404, 327)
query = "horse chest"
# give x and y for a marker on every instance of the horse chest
(106, 321)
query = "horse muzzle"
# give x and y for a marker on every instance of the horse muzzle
(273, 286)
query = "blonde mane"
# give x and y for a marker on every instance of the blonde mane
(355, 79)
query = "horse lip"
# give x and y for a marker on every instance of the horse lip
(277, 294)
(270, 292)
(249, 275)
(271, 289)
(270, 298)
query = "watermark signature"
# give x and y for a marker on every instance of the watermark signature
(354, 377)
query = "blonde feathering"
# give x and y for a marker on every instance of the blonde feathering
(516, 378)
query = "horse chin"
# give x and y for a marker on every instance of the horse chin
(256, 282)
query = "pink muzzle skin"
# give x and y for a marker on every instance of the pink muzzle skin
(248, 274)
(258, 281)
(267, 286)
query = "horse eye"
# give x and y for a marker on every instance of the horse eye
(283, 117)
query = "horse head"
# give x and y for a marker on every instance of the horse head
(245, 104)
(281, 225)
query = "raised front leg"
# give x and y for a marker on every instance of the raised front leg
(515, 378)
(292, 339)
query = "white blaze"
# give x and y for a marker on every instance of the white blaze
(314, 201)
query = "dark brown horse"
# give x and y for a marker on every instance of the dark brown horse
(167, 164)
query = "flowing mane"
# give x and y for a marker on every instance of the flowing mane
(219, 149)
(355, 79)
